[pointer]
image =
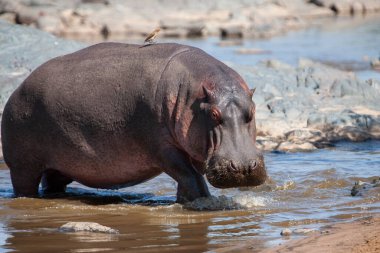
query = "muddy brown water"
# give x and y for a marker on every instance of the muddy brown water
(305, 190)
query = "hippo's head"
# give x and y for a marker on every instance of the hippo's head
(214, 121)
(233, 158)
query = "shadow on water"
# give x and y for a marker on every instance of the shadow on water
(104, 197)
(97, 197)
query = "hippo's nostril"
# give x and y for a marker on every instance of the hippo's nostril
(233, 166)
(252, 165)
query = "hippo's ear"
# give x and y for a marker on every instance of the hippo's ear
(206, 91)
(252, 91)
(207, 97)
(209, 94)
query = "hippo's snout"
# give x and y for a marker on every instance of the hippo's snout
(225, 173)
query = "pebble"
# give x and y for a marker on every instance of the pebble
(298, 231)
(286, 232)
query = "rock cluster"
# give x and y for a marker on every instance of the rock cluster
(312, 105)
(97, 19)
(348, 7)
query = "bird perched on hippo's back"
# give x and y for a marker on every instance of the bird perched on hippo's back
(150, 39)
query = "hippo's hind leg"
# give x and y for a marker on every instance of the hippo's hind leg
(54, 182)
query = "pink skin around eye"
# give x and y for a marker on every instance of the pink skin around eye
(215, 114)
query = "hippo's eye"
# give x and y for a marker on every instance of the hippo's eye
(215, 114)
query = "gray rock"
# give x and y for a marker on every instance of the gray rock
(9, 17)
(341, 88)
(276, 64)
(18, 58)
(341, 7)
(361, 188)
(232, 32)
(375, 64)
(7, 6)
(303, 231)
(174, 33)
(305, 134)
(357, 8)
(87, 227)
(181, 27)
(50, 24)
(295, 147)
(286, 232)
(266, 143)
(27, 16)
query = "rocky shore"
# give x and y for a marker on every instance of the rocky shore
(298, 108)
(102, 19)
(312, 106)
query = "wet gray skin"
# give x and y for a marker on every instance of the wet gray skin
(235, 160)
(114, 115)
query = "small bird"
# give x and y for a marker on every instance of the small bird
(150, 39)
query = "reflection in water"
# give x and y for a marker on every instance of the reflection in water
(3, 236)
(94, 237)
(305, 190)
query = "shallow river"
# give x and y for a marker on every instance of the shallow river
(346, 43)
(305, 190)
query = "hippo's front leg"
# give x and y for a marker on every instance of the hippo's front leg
(191, 184)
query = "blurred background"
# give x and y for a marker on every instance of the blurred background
(332, 30)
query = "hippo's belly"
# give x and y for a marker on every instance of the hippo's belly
(106, 165)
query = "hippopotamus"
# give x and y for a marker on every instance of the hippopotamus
(114, 115)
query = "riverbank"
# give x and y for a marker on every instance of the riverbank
(359, 236)
(95, 20)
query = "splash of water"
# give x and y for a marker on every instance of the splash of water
(213, 203)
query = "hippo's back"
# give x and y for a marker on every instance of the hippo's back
(86, 101)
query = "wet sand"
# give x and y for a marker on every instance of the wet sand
(359, 236)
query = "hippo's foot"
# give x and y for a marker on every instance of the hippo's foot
(198, 190)
(191, 184)
(25, 182)
(54, 182)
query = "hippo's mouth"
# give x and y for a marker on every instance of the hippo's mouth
(221, 174)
